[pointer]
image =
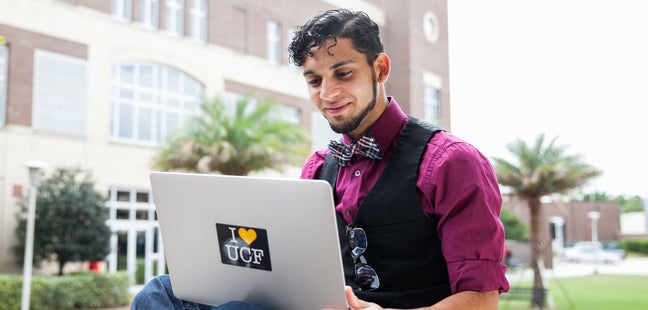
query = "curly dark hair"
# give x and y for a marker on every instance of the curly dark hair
(332, 24)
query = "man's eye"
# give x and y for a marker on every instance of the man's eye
(344, 73)
(314, 82)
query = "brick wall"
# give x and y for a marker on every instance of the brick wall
(22, 44)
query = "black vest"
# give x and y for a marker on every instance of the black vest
(402, 242)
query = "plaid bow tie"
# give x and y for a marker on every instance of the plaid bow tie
(366, 147)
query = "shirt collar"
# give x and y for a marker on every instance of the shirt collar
(387, 126)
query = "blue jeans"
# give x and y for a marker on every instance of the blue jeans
(158, 294)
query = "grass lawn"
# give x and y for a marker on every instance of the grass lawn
(592, 293)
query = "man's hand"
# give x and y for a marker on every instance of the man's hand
(355, 303)
(463, 300)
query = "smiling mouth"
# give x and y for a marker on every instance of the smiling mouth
(336, 109)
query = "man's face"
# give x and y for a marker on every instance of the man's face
(342, 85)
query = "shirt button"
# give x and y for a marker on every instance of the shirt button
(347, 212)
(357, 173)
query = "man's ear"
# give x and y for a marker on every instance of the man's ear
(382, 66)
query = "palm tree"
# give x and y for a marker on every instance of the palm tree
(540, 170)
(253, 138)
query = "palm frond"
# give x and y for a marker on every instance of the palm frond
(249, 139)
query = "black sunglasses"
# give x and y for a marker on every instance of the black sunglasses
(365, 276)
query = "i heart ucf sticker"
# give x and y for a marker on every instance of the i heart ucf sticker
(248, 235)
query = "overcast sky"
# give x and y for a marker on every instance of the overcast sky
(572, 69)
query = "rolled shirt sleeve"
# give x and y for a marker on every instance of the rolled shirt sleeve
(458, 186)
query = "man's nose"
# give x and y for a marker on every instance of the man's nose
(329, 90)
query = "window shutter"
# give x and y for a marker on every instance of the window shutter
(59, 93)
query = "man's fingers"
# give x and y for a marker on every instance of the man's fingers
(354, 301)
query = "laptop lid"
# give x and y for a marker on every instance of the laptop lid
(270, 242)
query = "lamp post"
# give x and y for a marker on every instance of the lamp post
(35, 167)
(594, 217)
(645, 208)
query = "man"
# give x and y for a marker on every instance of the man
(427, 202)
(448, 255)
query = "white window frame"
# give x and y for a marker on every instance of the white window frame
(432, 86)
(273, 38)
(431, 27)
(198, 20)
(174, 17)
(432, 104)
(4, 82)
(122, 9)
(231, 98)
(149, 101)
(132, 205)
(133, 228)
(282, 111)
(150, 14)
(59, 93)
(288, 113)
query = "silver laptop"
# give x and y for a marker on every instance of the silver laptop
(270, 242)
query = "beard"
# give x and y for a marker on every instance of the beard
(355, 121)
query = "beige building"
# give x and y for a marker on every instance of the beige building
(98, 84)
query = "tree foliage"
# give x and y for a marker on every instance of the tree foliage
(630, 203)
(596, 196)
(514, 228)
(626, 203)
(252, 138)
(539, 170)
(542, 170)
(70, 222)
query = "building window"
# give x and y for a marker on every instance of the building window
(122, 9)
(131, 204)
(288, 114)
(4, 81)
(431, 104)
(431, 27)
(229, 102)
(274, 42)
(281, 111)
(175, 17)
(150, 13)
(198, 19)
(290, 34)
(59, 98)
(149, 101)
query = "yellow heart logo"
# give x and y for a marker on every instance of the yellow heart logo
(248, 235)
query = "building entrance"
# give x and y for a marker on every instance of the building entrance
(135, 242)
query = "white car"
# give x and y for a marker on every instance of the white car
(588, 252)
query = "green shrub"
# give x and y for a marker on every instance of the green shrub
(635, 245)
(82, 290)
(514, 228)
(10, 292)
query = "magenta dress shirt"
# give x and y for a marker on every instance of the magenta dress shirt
(456, 184)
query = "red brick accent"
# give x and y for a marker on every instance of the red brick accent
(22, 44)
(17, 190)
